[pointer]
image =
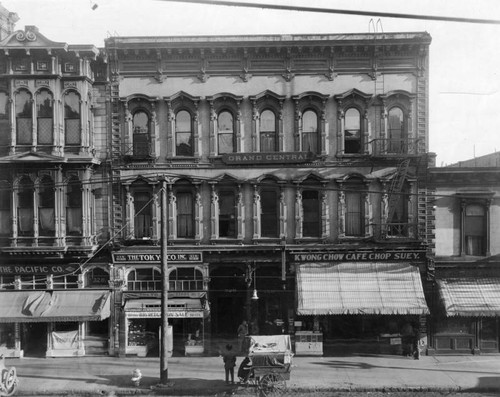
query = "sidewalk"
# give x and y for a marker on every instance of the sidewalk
(205, 375)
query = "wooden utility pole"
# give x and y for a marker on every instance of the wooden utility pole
(164, 288)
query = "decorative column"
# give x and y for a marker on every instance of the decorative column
(214, 212)
(298, 126)
(130, 213)
(256, 212)
(341, 211)
(240, 208)
(283, 217)
(340, 129)
(325, 213)
(299, 213)
(213, 127)
(198, 213)
(255, 127)
(281, 134)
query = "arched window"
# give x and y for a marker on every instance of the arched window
(269, 202)
(268, 135)
(25, 207)
(148, 279)
(74, 207)
(97, 278)
(5, 202)
(24, 117)
(143, 218)
(310, 138)
(354, 214)
(183, 134)
(46, 202)
(185, 279)
(352, 131)
(396, 138)
(45, 117)
(141, 136)
(4, 120)
(225, 132)
(185, 214)
(72, 119)
(311, 205)
(475, 229)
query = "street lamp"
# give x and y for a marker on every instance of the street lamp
(255, 296)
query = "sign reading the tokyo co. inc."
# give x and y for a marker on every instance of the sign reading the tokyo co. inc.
(174, 257)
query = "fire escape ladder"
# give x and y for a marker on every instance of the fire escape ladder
(396, 187)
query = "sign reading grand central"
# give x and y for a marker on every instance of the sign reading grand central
(269, 157)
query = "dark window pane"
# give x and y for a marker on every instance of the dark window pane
(353, 214)
(310, 132)
(269, 216)
(185, 219)
(352, 131)
(183, 135)
(227, 214)
(311, 209)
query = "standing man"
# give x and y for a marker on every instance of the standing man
(242, 332)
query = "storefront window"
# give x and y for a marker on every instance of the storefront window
(7, 334)
(144, 280)
(7, 282)
(65, 282)
(456, 325)
(185, 279)
(34, 282)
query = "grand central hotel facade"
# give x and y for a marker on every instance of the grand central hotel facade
(293, 172)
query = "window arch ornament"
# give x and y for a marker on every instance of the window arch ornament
(352, 138)
(396, 130)
(225, 137)
(183, 139)
(141, 140)
(267, 101)
(354, 207)
(310, 123)
(269, 204)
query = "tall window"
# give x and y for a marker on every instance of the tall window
(74, 208)
(225, 133)
(25, 207)
(185, 279)
(24, 118)
(4, 120)
(144, 280)
(396, 142)
(44, 117)
(311, 223)
(227, 214)
(269, 217)
(185, 214)
(140, 137)
(268, 134)
(310, 139)
(475, 229)
(354, 209)
(46, 202)
(65, 281)
(143, 220)
(72, 119)
(352, 131)
(5, 202)
(398, 225)
(36, 281)
(183, 134)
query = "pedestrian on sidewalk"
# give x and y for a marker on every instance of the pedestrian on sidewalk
(407, 337)
(242, 333)
(229, 358)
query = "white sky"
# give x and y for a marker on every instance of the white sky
(464, 57)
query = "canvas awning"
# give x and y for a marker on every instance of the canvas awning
(49, 306)
(470, 297)
(360, 288)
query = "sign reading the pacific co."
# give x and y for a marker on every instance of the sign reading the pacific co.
(191, 257)
(37, 269)
(355, 256)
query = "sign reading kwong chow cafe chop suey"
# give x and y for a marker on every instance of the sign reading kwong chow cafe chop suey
(359, 256)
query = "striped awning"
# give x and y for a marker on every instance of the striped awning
(360, 288)
(470, 297)
(50, 306)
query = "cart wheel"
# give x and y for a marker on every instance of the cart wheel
(10, 381)
(272, 385)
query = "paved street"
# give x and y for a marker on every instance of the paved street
(310, 375)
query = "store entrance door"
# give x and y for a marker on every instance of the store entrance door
(34, 339)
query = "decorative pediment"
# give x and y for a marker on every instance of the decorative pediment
(31, 38)
(353, 93)
(32, 157)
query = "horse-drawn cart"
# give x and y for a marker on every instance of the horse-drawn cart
(8, 379)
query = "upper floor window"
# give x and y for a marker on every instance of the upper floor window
(72, 119)
(311, 224)
(354, 214)
(97, 278)
(183, 134)
(4, 120)
(141, 134)
(5, 202)
(268, 131)
(35, 281)
(65, 281)
(143, 219)
(74, 208)
(45, 117)
(148, 279)
(185, 214)
(225, 132)
(24, 117)
(396, 133)
(25, 207)
(269, 217)
(227, 214)
(7, 282)
(398, 224)
(475, 229)
(352, 131)
(46, 209)
(185, 279)
(310, 138)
